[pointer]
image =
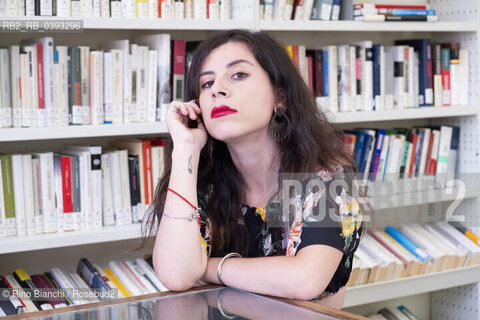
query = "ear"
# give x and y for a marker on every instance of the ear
(280, 98)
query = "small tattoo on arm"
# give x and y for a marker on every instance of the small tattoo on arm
(190, 170)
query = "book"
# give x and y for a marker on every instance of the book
(121, 287)
(27, 303)
(26, 282)
(93, 278)
(44, 285)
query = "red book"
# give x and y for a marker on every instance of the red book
(434, 154)
(147, 170)
(414, 153)
(389, 248)
(158, 142)
(209, 2)
(42, 283)
(178, 69)
(392, 6)
(40, 77)
(429, 154)
(295, 5)
(66, 163)
(14, 292)
(162, 8)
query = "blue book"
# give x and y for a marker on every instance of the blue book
(325, 73)
(376, 74)
(407, 243)
(407, 313)
(425, 92)
(413, 12)
(92, 277)
(369, 141)
(452, 156)
(336, 10)
(377, 153)
(418, 152)
(359, 145)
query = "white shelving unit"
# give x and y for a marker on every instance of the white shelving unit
(411, 286)
(460, 21)
(86, 131)
(68, 239)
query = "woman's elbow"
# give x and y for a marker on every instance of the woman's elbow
(308, 290)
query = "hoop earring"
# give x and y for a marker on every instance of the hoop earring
(278, 126)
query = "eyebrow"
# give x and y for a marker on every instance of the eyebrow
(229, 65)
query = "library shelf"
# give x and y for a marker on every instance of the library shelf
(414, 198)
(82, 131)
(67, 239)
(111, 130)
(360, 26)
(410, 286)
(404, 114)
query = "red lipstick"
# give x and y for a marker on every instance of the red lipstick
(221, 111)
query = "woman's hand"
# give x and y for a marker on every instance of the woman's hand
(177, 121)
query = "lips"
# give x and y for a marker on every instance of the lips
(221, 111)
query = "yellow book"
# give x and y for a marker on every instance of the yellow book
(117, 282)
(289, 51)
(142, 9)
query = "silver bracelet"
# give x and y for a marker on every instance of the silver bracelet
(219, 269)
(192, 217)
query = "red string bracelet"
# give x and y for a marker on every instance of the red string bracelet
(196, 209)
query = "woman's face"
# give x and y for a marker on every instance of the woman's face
(236, 97)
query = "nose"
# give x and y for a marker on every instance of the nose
(219, 89)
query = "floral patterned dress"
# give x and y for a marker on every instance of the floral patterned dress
(316, 220)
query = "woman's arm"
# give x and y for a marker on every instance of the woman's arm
(178, 256)
(304, 276)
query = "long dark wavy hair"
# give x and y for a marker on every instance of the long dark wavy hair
(312, 142)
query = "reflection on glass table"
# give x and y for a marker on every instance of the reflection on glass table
(222, 303)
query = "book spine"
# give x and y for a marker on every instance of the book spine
(407, 243)
(28, 193)
(37, 196)
(41, 113)
(18, 195)
(15, 86)
(107, 87)
(48, 192)
(3, 218)
(446, 94)
(67, 193)
(107, 203)
(57, 165)
(5, 89)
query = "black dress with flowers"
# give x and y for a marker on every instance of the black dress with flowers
(311, 225)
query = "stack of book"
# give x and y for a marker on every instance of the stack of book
(142, 9)
(119, 82)
(392, 313)
(364, 76)
(378, 11)
(58, 288)
(300, 9)
(413, 250)
(427, 156)
(80, 188)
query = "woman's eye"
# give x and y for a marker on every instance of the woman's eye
(239, 75)
(207, 84)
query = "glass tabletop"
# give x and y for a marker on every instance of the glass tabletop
(222, 303)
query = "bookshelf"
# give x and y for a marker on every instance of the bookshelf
(459, 22)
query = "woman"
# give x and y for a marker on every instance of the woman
(256, 120)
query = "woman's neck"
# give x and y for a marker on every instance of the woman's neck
(258, 163)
